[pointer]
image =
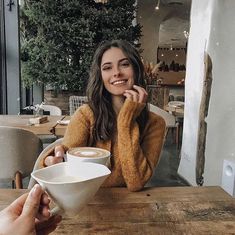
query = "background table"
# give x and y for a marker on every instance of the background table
(47, 128)
(167, 210)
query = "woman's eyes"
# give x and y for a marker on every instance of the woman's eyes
(106, 68)
(124, 64)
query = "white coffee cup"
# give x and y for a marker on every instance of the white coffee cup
(88, 154)
(71, 186)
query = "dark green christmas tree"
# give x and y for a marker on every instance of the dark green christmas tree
(58, 38)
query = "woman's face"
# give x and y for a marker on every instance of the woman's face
(116, 71)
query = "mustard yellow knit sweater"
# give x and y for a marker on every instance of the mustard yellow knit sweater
(133, 157)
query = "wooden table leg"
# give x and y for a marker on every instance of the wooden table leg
(177, 135)
(18, 180)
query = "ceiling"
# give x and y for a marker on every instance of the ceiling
(171, 32)
(173, 17)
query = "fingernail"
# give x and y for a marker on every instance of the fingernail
(59, 154)
(35, 191)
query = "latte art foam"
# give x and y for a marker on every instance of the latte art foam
(88, 152)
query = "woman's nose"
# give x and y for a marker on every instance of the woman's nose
(116, 72)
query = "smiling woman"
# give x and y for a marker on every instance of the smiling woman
(116, 118)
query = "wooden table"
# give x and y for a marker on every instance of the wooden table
(176, 111)
(47, 128)
(166, 210)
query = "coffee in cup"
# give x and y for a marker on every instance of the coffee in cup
(88, 154)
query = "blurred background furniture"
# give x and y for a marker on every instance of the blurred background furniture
(170, 120)
(176, 108)
(75, 102)
(158, 95)
(47, 110)
(19, 151)
(49, 127)
(44, 109)
(52, 109)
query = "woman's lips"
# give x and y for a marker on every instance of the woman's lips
(119, 82)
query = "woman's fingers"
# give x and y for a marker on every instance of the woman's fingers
(140, 89)
(143, 95)
(59, 151)
(139, 94)
(133, 95)
(51, 160)
(59, 156)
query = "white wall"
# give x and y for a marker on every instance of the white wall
(221, 118)
(212, 30)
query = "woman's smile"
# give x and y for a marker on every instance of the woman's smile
(119, 82)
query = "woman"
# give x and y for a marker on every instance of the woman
(116, 117)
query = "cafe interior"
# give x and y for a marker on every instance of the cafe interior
(187, 50)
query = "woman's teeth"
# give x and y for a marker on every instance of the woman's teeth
(119, 82)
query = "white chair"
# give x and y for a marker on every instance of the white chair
(39, 159)
(169, 119)
(75, 102)
(19, 151)
(51, 109)
(54, 110)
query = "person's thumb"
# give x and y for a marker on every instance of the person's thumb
(32, 202)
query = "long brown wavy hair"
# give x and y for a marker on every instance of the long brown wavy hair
(99, 99)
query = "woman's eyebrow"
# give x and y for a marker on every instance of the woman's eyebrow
(109, 63)
(106, 63)
(123, 59)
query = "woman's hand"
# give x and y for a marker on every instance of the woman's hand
(57, 158)
(138, 94)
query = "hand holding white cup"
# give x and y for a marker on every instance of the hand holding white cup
(71, 186)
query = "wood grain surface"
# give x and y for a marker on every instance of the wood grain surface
(166, 210)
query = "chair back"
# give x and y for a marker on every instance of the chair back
(75, 102)
(169, 118)
(19, 151)
(52, 109)
(40, 157)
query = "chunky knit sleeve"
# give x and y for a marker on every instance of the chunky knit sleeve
(138, 154)
(78, 131)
